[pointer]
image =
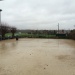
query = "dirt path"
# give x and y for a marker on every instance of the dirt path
(37, 57)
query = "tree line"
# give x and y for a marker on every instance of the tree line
(5, 28)
(72, 34)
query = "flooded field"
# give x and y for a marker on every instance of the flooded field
(37, 57)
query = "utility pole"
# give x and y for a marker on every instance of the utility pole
(74, 26)
(58, 28)
(0, 21)
(0, 15)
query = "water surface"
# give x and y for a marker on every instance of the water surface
(37, 57)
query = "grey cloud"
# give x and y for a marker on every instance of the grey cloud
(41, 14)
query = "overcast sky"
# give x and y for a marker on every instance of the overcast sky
(39, 14)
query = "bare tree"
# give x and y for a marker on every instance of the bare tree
(72, 34)
(13, 31)
(4, 28)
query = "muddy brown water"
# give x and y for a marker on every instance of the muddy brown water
(37, 57)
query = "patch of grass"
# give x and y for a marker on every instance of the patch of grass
(36, 35)
(8, 34)
(22, 35)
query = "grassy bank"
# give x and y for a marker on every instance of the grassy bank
(24, 35)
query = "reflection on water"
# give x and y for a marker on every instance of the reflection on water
(37, 57)
(6, 46)
(3, 46)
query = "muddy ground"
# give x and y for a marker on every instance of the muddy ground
(37, 57)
